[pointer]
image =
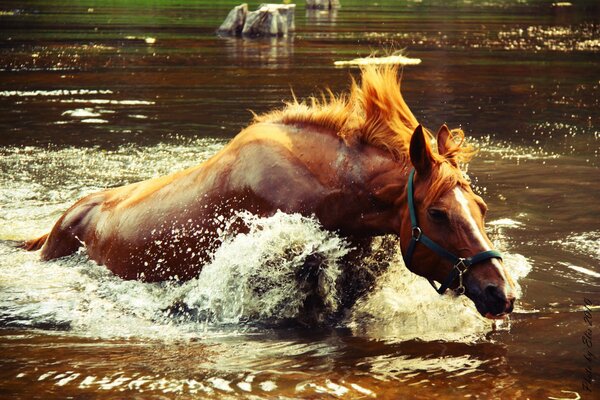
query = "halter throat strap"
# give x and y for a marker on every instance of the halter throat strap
(460, 265)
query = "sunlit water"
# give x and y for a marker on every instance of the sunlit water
(96, 96)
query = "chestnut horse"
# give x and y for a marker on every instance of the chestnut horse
(346, 160)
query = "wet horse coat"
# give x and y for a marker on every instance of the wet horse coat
(344, 160)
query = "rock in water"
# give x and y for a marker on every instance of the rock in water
(234, 23)
(268, 20)
(322, 4)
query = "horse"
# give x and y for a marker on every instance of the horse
(358, 162)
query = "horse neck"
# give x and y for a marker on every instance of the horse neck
(379, 192)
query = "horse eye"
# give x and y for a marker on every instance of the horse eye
(437, 214)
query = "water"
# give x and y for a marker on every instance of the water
(96, 95)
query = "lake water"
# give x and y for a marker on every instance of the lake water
(97, 94)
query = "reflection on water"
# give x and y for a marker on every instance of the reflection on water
(272, 52)
(96, 95)
(321, 17)
(582, 37)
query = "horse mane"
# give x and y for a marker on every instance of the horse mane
(372, 112)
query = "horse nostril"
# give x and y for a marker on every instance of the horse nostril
(497, 300)
(494, 293)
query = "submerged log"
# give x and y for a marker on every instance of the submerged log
(268, 20)
(234, 23)
(322, 4)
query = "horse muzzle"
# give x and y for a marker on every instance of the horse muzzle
(491, 299)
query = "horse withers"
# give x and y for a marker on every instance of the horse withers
(348, 160)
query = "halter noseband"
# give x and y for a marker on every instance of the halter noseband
(460, 265)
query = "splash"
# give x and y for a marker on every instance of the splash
(254, 277)
(257, 276)
(404, 307)
(43, 182)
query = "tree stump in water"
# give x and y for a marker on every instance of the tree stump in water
(287, 11)
(268, 20)
(322, 4)
(234, 23)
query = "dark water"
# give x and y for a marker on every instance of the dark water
(99, 94)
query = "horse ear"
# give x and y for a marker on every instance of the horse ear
(420, 152)
(444, 143)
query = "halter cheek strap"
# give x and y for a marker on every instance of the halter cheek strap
(460, 265)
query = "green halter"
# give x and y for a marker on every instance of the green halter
(460, 265)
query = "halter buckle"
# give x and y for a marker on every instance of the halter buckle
(461, 267)
(416, 233)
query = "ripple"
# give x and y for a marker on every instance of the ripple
(82, 113)
(401, 367)
(583, 270)
(583, 37)
(94, 121)
(108, 101)
(505, 223)
(42, 181)
(223, 386)
(587, 243)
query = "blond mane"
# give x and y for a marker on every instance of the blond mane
(373, 112)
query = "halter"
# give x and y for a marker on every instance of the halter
(460, 265)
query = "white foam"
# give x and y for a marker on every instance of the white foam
(221, 384)
(267, 386)
(81, 113)
(59, 92)
(395, 60)
(94, 121)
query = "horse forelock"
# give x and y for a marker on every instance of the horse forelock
(444, 178)
(373, 112)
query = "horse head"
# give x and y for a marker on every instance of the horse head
(447, 241)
